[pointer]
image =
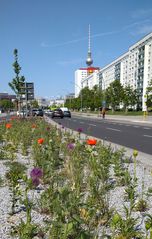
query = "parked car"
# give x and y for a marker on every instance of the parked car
(66, 112)
(57, 113)
(49, 112)
(23, 113)
(37, 112)
(1, 111)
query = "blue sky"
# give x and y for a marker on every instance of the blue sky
(52, 38)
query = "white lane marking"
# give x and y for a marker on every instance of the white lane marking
(135, 126)
(81, 122)
(92, 124)
(127, 125)
(146, 128)
(145, 135)
(74, 120)
(113, 129)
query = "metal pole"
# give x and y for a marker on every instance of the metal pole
(26, 96)
(81, 100)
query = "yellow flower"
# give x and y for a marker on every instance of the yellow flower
(135, 153)
(83, 213)
(73, 187)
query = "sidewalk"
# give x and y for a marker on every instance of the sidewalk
(134, 119)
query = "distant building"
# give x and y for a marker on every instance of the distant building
(6, 96)
(42, 102)
(59, 101)
(92, 78)
(70, 96)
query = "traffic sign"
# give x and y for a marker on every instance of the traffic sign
(103, 103)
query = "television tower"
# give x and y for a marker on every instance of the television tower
(89, 60)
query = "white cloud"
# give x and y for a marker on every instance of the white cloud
(63, 43)
(142, 30)
(139, 26)
(140, 13)
(104, 34)
(135, 24)
(43, 44)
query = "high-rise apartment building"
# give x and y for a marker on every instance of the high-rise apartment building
(133, 68)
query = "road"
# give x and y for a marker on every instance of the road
(131, 135)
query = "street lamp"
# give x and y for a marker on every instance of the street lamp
(65, 97)
(80, 88)
(103, 89)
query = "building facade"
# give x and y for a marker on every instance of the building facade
(86, 77)
(133, 68)
(6, 96)
(80, 75)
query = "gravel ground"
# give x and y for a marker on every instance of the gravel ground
(115, 199)
(7, 221)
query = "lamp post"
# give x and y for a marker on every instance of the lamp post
(81, 98)
(145, 105)
(103, 89)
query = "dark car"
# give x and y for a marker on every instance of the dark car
(67, 113)
(57, 113)
(37, 112)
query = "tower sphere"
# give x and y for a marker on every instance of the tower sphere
(89, 60)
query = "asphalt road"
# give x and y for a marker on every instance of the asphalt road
(131, 135)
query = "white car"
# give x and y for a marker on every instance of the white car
(22, 113)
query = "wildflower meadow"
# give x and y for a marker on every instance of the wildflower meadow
(56, 184)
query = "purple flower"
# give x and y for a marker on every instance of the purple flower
(48, 128)
(79, 130)
(35, 181)
(70, 146)
(36, 173)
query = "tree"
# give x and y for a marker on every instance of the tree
(149, 94)
(98, 96)
(34, 104)
(16, 83)
(114, 94)
(129, 97)
(87, 98)
(6, 104)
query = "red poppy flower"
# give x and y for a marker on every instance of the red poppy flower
(33, 126)
(91, 141)
(8, 126)
(40, 141)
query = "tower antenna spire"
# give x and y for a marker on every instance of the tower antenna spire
(89, 60)
(89, 47)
